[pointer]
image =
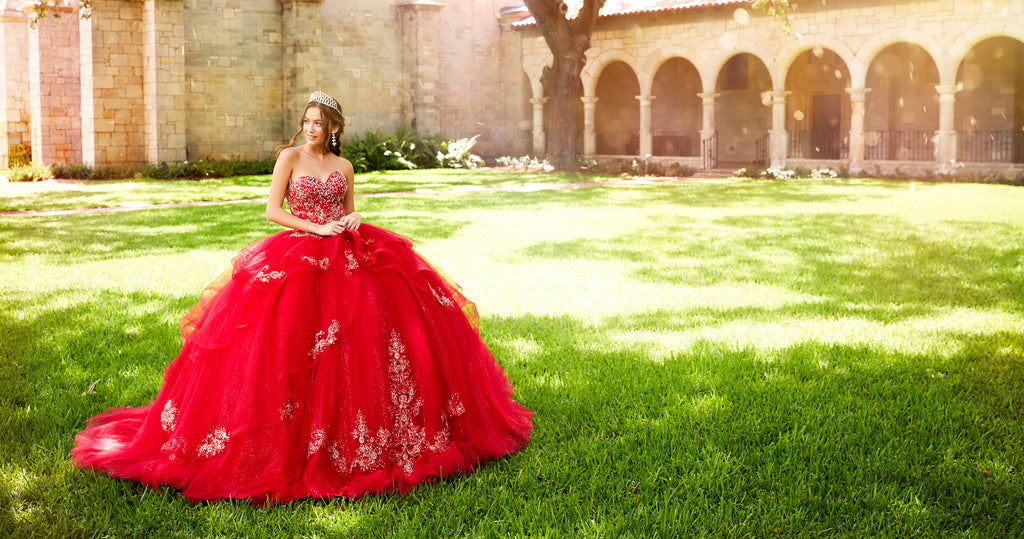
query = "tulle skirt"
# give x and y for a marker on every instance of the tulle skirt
(317, 367)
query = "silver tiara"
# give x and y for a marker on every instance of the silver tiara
(324, 99)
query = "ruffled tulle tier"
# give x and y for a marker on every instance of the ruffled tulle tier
(317, 367)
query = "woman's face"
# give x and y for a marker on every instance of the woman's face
(314, 126)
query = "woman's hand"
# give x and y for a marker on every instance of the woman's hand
(351, 221)
(332, 228)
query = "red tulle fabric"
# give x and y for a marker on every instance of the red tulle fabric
(317, 367)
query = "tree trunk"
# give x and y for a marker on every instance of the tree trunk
(568, 40)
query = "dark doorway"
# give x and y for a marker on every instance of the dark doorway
(826, 137)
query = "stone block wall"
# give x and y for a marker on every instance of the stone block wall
(15, 89)
(55, 96)
(363, 64)
(113, 107)
(234, 77)
(165, 99)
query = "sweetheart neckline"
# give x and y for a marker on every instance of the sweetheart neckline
(318, 180)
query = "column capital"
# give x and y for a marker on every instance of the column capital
(858, 94)
(538, 100)
(645, 100)
(709, 97)
(589, 99)
(947, 93)
(411, 5)
(779, 96)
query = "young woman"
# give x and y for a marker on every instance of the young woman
(331, 360)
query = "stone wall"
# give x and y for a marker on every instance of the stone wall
(113, 109)
(15, 89)
(55, 97)
(234, 75)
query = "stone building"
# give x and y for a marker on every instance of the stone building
(918, 85)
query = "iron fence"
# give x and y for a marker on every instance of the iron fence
(899, 145)
(990, 146)
(819, 144)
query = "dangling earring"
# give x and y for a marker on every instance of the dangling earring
(334, 139)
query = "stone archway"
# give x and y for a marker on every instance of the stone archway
(989, 116)
(617, 115)
(676, 110)
(818, 122)
(743, 115)
(902, 106)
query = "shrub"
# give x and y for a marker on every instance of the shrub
(458, 154)
(19, 155)
(30, 172)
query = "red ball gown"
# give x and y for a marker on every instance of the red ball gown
(317, 367)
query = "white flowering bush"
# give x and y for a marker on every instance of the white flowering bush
(778, 174)
(823, 173)
(458, 154)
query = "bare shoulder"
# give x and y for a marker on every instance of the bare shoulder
(345, 166)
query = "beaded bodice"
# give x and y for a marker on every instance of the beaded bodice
(317, 201)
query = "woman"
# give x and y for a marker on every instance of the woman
(331, 360)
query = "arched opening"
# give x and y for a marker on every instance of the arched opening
(676, 111)
(990, 104)
(902, 107)
(742, 119)
(818, 122)
(617, 116)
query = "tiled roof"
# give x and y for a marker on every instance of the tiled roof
(614, 8)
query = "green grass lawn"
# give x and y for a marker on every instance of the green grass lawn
(706, 358)
(54, 195)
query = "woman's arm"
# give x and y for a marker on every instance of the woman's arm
(352, 219)
(275, 199)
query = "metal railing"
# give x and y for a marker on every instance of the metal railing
(819, 144)
(899, 145)
(675, 143)
(709, 151)
(618, 144)
(990, 146)
(761, 146)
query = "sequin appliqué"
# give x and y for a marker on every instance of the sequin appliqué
(265, 276)
(169, 416)
(455, 407)
(371, 448)
(442, 299)
(405, 406)
(325, 339)
(214, 443)
(288, 409)
(317, 438)
(353, 264)
(322, 263)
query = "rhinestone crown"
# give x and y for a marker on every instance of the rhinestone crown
(324, 99)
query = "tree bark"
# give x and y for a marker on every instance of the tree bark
(568, 40)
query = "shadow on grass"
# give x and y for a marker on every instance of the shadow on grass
(872, 266)
(92, 237)
(706, 439)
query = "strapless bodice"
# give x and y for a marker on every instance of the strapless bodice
(317, 201)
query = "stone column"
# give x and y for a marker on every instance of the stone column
(301, 36)
(54, 81)
(420, 23)
(164, 80)
(646, 138)
(857, 97)
(589, 125)
(15, 87)
(708, 117)
(540, 145)
(113, 107)
(779, 138)
(945, 144)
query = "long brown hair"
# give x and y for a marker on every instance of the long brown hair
(334, 119)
